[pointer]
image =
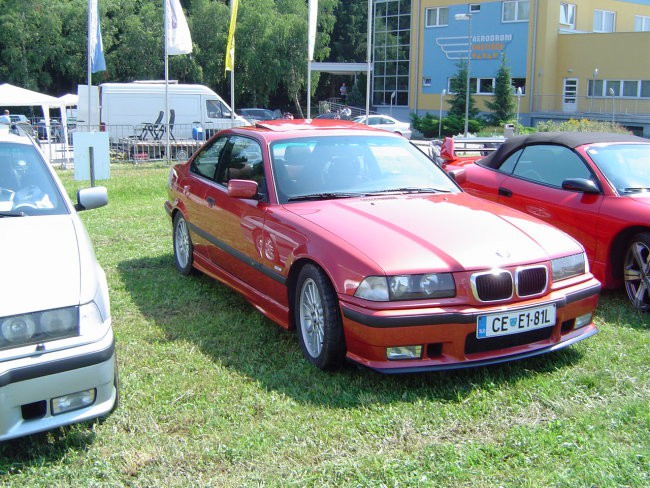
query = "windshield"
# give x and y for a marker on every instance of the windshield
(626, 166)
(348, 166)
(26, 186)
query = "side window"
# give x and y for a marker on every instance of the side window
(550, 165)
(205, 163)
(216, 109)
(509, 164)
(242, 161)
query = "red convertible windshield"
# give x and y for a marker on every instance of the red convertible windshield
(347, 166)
(626, 166)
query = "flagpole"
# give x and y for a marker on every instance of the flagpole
(89, 73)
(369, 59)
(232, 81)
(311, 42)
(165, 26)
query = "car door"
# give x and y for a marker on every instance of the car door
(533, 183)
(234, 226)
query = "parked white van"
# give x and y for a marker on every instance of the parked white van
(138, 109)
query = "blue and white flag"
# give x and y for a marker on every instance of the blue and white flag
(95, 45)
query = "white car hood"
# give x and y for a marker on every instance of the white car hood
(41, 259)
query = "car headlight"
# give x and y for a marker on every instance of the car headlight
(569, 266)
(407, 287)
(37, 327)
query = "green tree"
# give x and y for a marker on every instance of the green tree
(458, 87)
(503, 104)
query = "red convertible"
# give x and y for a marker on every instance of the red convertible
(351, 236)
(593, 186)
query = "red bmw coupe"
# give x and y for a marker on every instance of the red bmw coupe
(593, 186)
(351, 236)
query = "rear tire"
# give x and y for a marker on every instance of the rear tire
(317, 318)
(636, 271)
(183, 247)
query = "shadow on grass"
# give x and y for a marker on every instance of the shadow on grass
(226, 328)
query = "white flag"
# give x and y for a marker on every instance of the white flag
(95, 45)
(311, 35)
(177, 33)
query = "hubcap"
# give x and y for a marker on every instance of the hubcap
(637, 275)
(182, 243)
(311, 318)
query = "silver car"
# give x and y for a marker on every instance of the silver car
(57, 350)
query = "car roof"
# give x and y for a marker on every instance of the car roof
(280, 128)
(12, 133)
(567, 139)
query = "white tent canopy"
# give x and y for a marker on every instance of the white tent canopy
(14, 96)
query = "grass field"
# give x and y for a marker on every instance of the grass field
(213, 394)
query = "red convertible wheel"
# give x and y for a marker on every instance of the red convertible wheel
(636, 271)
(320, 331)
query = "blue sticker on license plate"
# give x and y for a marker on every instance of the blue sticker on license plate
(515, 321)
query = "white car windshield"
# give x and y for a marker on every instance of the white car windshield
(26, 186)
(350, 166)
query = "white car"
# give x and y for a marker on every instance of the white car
(57, 350)
(387, 123)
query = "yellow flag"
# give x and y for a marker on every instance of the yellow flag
(230, 47)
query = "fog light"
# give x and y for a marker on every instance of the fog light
(73, 401)
(404, 352)
(583, 320)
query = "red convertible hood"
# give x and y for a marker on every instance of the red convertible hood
(404, 233)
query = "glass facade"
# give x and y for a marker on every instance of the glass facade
(391, 46)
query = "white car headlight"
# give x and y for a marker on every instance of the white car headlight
(407, 287)
(569, 266)
(37, 327)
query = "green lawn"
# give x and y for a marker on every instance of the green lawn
(213, 394)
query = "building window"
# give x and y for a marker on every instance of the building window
(641, 23)
(568, 14)
(485, 86)
(474, 8)
(612, 88)
(595, 88)
(519, 83)
(604, 21)
(426, 81)
(437, 17)
(515, 11)
(391, 48)
(631, 88)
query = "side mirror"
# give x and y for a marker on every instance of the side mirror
(458, 175)
(583, 185)
(242, 189)
(89, 198)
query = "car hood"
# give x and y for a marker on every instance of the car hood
(439, 232)
(42, 259)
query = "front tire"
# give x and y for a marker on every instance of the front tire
(636, 271)
(317, 318)
(183, 247)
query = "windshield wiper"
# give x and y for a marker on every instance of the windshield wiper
(410, 189)
(324, 196)
(12, 214)
(636, 190)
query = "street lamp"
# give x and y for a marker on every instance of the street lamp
(593, 91)
(392, 96)
(467, 17)
(442, 100)
(519, 94)
(611, 94)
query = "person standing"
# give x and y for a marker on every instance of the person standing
(343, 91)
(5, 117)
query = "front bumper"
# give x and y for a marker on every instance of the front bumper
(448, 336)
(27, 390)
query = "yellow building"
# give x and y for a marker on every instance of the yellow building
(577, 59)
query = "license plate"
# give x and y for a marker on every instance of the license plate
(515, 321)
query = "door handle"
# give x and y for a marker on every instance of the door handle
(504, 192)
(210, 201)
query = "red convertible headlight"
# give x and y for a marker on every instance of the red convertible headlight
(407, 287)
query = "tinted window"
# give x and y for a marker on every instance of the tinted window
(205, 163)
(550, 165)
(242, 160)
